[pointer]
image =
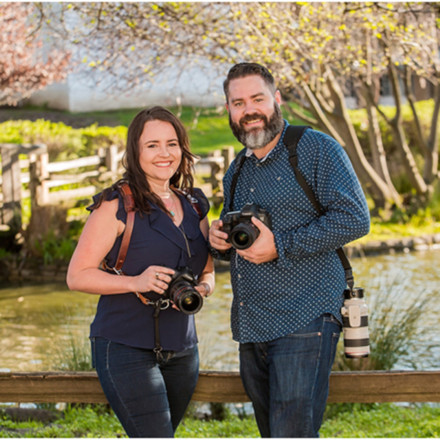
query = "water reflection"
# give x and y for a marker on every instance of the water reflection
(37, 322)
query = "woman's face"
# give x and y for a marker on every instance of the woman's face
(159, 151)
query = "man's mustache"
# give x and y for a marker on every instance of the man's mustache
(252, 117)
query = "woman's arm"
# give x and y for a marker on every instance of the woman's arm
(207, 278)
(97, 238)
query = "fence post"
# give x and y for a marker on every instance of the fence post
(11, 212)
(228, 154)
(111, 158)
(215, 179)
(38, 175)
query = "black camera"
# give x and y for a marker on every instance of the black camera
(182, 293)
(238, 225)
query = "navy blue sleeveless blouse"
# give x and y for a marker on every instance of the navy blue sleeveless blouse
(155, 240)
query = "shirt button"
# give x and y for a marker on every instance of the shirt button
(241, 303)
(252, 190)
(239, 276)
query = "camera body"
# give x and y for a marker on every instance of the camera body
(355, 324)
(182, 293)
(238, 225)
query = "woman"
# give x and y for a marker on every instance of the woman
(145, 353)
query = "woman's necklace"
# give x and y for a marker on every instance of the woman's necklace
(171, 206)
(169, 202)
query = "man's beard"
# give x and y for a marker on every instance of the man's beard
(259, 137)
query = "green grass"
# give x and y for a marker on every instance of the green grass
(207, 131)
(354, 421)
(384, 420)
(89, 421)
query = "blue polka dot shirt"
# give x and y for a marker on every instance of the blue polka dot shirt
(279, 297)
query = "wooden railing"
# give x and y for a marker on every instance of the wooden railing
(42, 175)
(216, 386)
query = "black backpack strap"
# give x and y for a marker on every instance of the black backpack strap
(291, 138)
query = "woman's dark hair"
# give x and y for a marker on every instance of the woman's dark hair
(135, 175)
(241, 70)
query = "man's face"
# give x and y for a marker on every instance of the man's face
(254, 114)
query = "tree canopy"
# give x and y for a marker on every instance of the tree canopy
(319, 53)
(24, 68)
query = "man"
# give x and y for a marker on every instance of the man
(288, 285)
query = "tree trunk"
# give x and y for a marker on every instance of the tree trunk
(376, 144)
(401, 143)
(381, 193)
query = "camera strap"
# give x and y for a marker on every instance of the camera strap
(291, 138)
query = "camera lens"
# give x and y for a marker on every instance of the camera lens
(244, 235)
(241, 239)
(355, 324)
(187, 299)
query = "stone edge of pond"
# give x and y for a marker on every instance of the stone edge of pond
(404, 244)
(38, 273)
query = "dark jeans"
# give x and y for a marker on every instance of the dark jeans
(148, 397)
(287, 379)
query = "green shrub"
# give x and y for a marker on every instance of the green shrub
(63, 142)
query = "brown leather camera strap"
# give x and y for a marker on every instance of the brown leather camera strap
(194, 202)
(128, 199)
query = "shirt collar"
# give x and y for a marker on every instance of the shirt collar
(275, 151)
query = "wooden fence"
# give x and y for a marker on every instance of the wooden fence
(41, 176)
(216, 386)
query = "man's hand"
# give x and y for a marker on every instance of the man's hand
(263, 249)
(217, 237)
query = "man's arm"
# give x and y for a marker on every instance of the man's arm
(339, 191)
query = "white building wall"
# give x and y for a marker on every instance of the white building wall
(81, 93)
(192, 83)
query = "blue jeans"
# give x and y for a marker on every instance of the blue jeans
(148, 397)
(287, 379)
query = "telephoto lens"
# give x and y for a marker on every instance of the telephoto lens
(355, 324)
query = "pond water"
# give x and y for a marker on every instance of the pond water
(39, 323)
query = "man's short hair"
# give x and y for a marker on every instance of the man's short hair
(241, 70)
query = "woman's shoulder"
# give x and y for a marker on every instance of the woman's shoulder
(110, 194)
(198, 200)
(203, 202)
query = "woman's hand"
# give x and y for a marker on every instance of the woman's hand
(153, 279)
(204, 289)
